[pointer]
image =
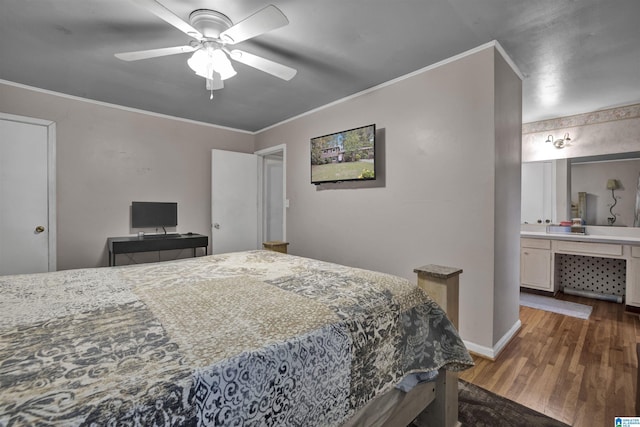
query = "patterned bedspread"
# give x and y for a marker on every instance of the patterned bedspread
(243, 339)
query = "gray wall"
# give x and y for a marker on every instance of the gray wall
(108, 157)
(444, 160)
(508, 151)
(449, 192)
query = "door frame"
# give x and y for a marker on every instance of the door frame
(51, 179)
(262, 154)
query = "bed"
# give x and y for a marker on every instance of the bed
(248, 338)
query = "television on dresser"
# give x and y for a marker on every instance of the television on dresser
(154, 214)
(348, 155)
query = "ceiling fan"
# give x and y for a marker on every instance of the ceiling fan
(212, 32)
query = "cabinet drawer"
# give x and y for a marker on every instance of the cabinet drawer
(589, 248)
(536, 243)
(635, 251)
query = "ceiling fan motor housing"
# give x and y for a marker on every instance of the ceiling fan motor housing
(209, 22)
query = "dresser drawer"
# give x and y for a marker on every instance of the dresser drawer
(535, 243)
(606, 249)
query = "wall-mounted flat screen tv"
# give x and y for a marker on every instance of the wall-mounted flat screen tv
(154, 214)
(349, 155)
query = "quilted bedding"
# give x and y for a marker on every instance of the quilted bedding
(253, 338)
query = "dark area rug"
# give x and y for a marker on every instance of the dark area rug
(479, 408)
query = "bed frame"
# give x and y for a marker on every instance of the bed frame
(431, 404)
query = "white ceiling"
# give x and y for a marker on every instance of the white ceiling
(575, 55)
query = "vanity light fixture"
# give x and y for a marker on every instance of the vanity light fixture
(559, 143)
(612, 184)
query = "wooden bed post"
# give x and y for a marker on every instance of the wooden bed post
(442, 285)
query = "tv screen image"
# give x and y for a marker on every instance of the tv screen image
(344, 156)
(154, 214)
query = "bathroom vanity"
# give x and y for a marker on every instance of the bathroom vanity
(604, 261)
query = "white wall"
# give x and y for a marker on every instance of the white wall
(107, 157)
(438, 202)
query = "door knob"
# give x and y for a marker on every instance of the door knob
(39, 229)
(216, 226)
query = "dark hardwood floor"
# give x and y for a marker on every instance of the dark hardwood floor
(581, 372)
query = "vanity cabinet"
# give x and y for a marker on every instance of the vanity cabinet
(546, 192)
(538, 192)
(535, 264)
(633, 277)
(542, 270)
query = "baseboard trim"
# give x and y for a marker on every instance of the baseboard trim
(492, 353)
(632, 309)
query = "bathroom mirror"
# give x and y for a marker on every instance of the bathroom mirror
(550, 189)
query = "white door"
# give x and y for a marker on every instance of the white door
(25, 170)
(234, 201)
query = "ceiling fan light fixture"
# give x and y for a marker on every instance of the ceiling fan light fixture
(211, 31)
(204, 62)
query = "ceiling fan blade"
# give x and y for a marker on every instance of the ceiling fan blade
(274, 68)
(264, 20)
(154, 53)
(166, 15)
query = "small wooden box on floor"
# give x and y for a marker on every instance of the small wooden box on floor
(276, 246)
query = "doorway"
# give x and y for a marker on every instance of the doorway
(248, 199)
(272, 202)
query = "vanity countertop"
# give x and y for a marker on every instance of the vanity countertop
(594, 238)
